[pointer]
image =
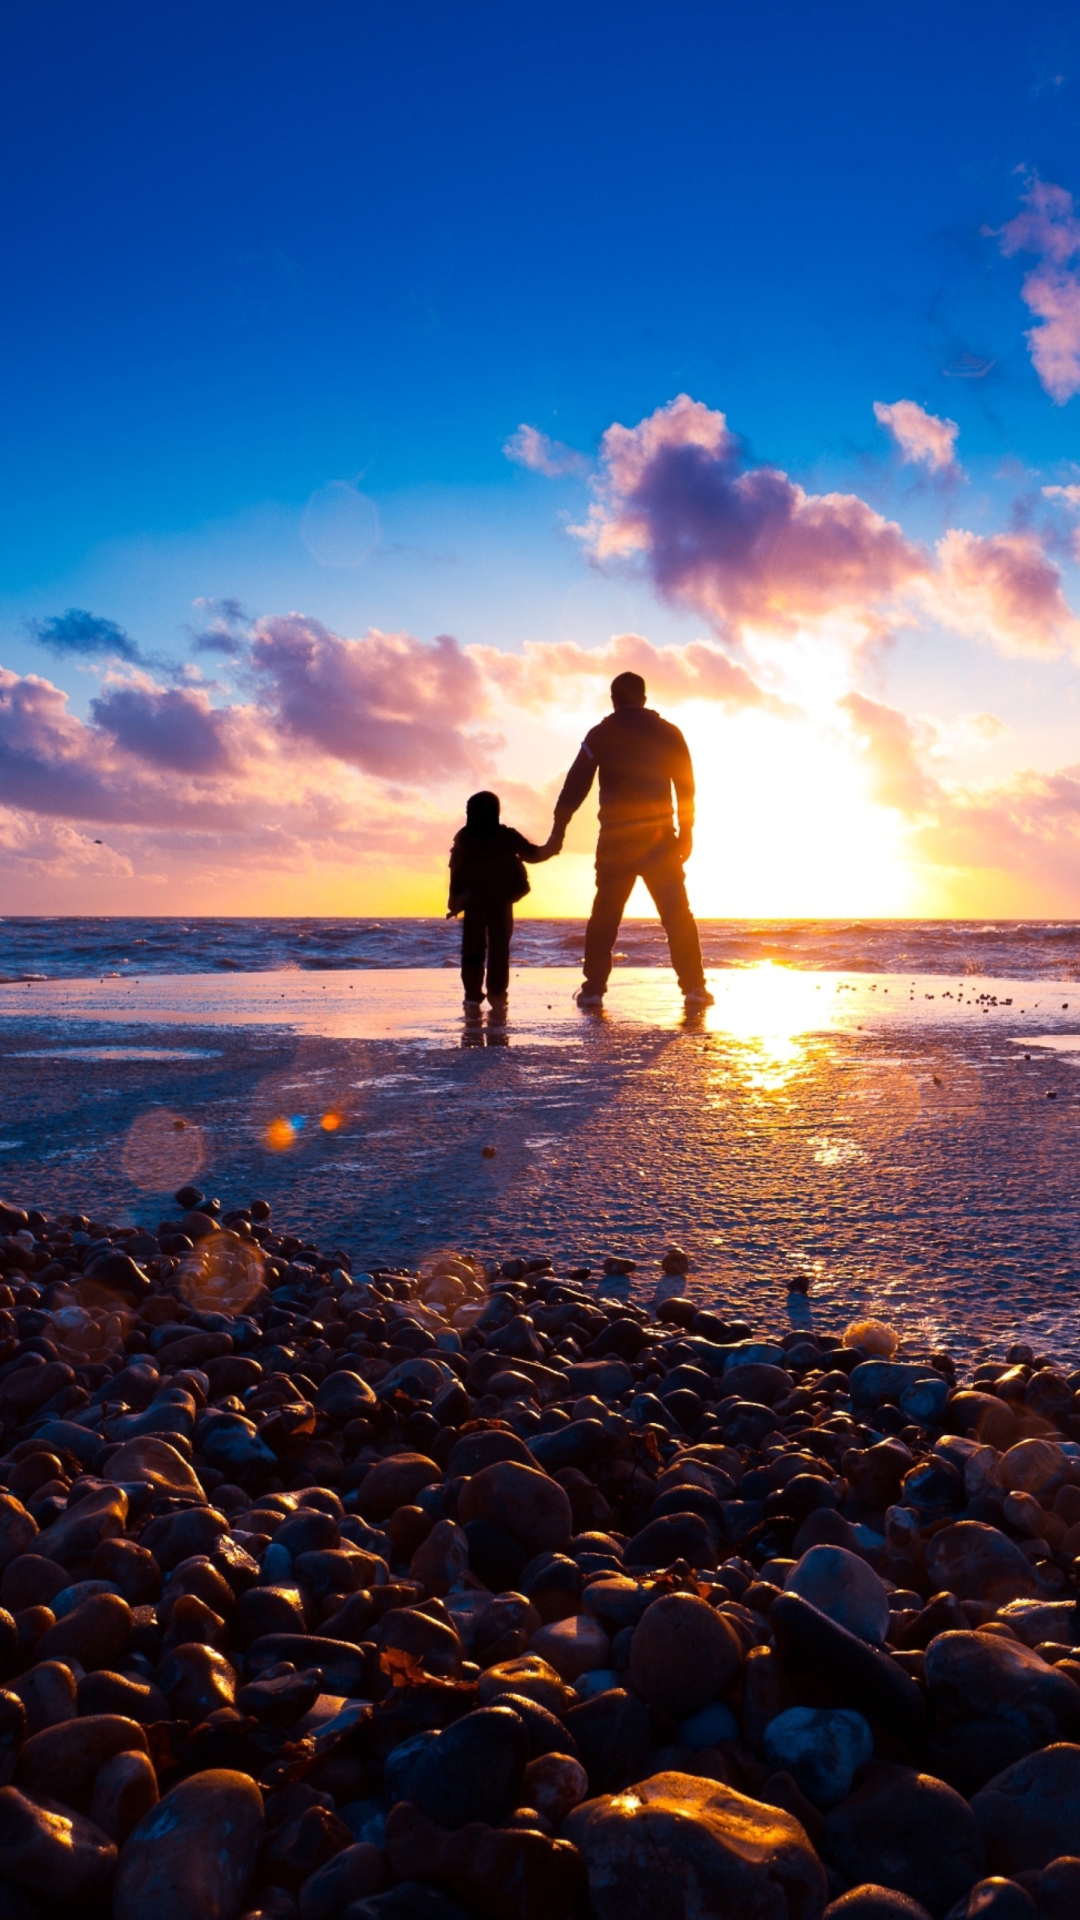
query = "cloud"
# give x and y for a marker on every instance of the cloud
(167, 728)
(1002, 587)
(537, 676)
(889, 745)
(386, 703)
(923, 438)
(226, 628)
(745, 545)
(77, 631)
(528, 447)
(1049, 228)
(759, 556)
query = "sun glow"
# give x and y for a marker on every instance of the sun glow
(786, 824)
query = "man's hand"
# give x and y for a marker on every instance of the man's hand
(684, 844)
(554, 841)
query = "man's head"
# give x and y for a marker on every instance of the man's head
(628, 690)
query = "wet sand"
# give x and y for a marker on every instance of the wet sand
(906, 1147)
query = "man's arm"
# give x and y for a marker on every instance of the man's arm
(682, 779)
(574, 790)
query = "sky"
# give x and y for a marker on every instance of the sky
(375, 382)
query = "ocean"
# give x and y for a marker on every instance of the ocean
(88, 948)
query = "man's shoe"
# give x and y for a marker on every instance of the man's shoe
(699, 997)
(589, 997)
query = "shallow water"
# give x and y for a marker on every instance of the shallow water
(84, 947)
(909, 1148)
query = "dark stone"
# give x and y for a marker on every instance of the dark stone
(613, 1735)
(496, 1555)
(1030, 1814)
(678, 1536)
(343, 1666)
(875, 1903)
(470, 1771)
(928, 1836)
(547, 1734)
(816, 1652)
(475, 1451)
(969, 1755)
(570, 1446)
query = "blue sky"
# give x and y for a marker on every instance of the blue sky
(252, 251)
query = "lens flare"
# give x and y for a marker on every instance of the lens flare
(331, 1121)
(162, 1150)
(279, 1135)
(222, 1275)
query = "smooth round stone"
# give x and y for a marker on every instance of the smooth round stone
(821, 1747)
(924, 1402)
(1030, 1814)
(677, 1845)
(842, 1586)
(975, 1676)
(554, 1784)
(124, 1791)
(471, 1771)
(158, 1465)
(196, 1681)
(1034, 1466)
(48, 1692)
(1059, 1889)
(95, 1633)
(999, 1899)
(191, 1856)
(31, 1581)
(675, 1536)
(875, 1903)
(65, 1760)
(395, 1483)
(598, 1680)
(135, 1700)
(343, 1396)
(572, 1646)
(977, 1562)
(708, 1727)
(683, 1654)
(51, 1850)
(928, 1835)
(535, 1509)
(613, 1737)
(353, 1874)
(442, 1558)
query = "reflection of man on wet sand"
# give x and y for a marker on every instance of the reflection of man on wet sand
(639, 758)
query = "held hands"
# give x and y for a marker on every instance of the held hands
(554, 842)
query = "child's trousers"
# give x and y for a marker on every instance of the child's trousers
(486, 932)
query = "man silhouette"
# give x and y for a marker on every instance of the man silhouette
(639, 758)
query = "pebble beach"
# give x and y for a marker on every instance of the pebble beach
(615, 1468)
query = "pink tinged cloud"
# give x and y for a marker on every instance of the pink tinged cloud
(923, 438)
(386, 703)
(1003, 588)
(537, 676)
(170, 727)
(746, 546)
(889, 746)
(1049, 228)
(530, 448)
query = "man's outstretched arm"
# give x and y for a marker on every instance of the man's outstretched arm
(574, 790)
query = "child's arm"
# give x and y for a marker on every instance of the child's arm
(458, 895)
(532, 853)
